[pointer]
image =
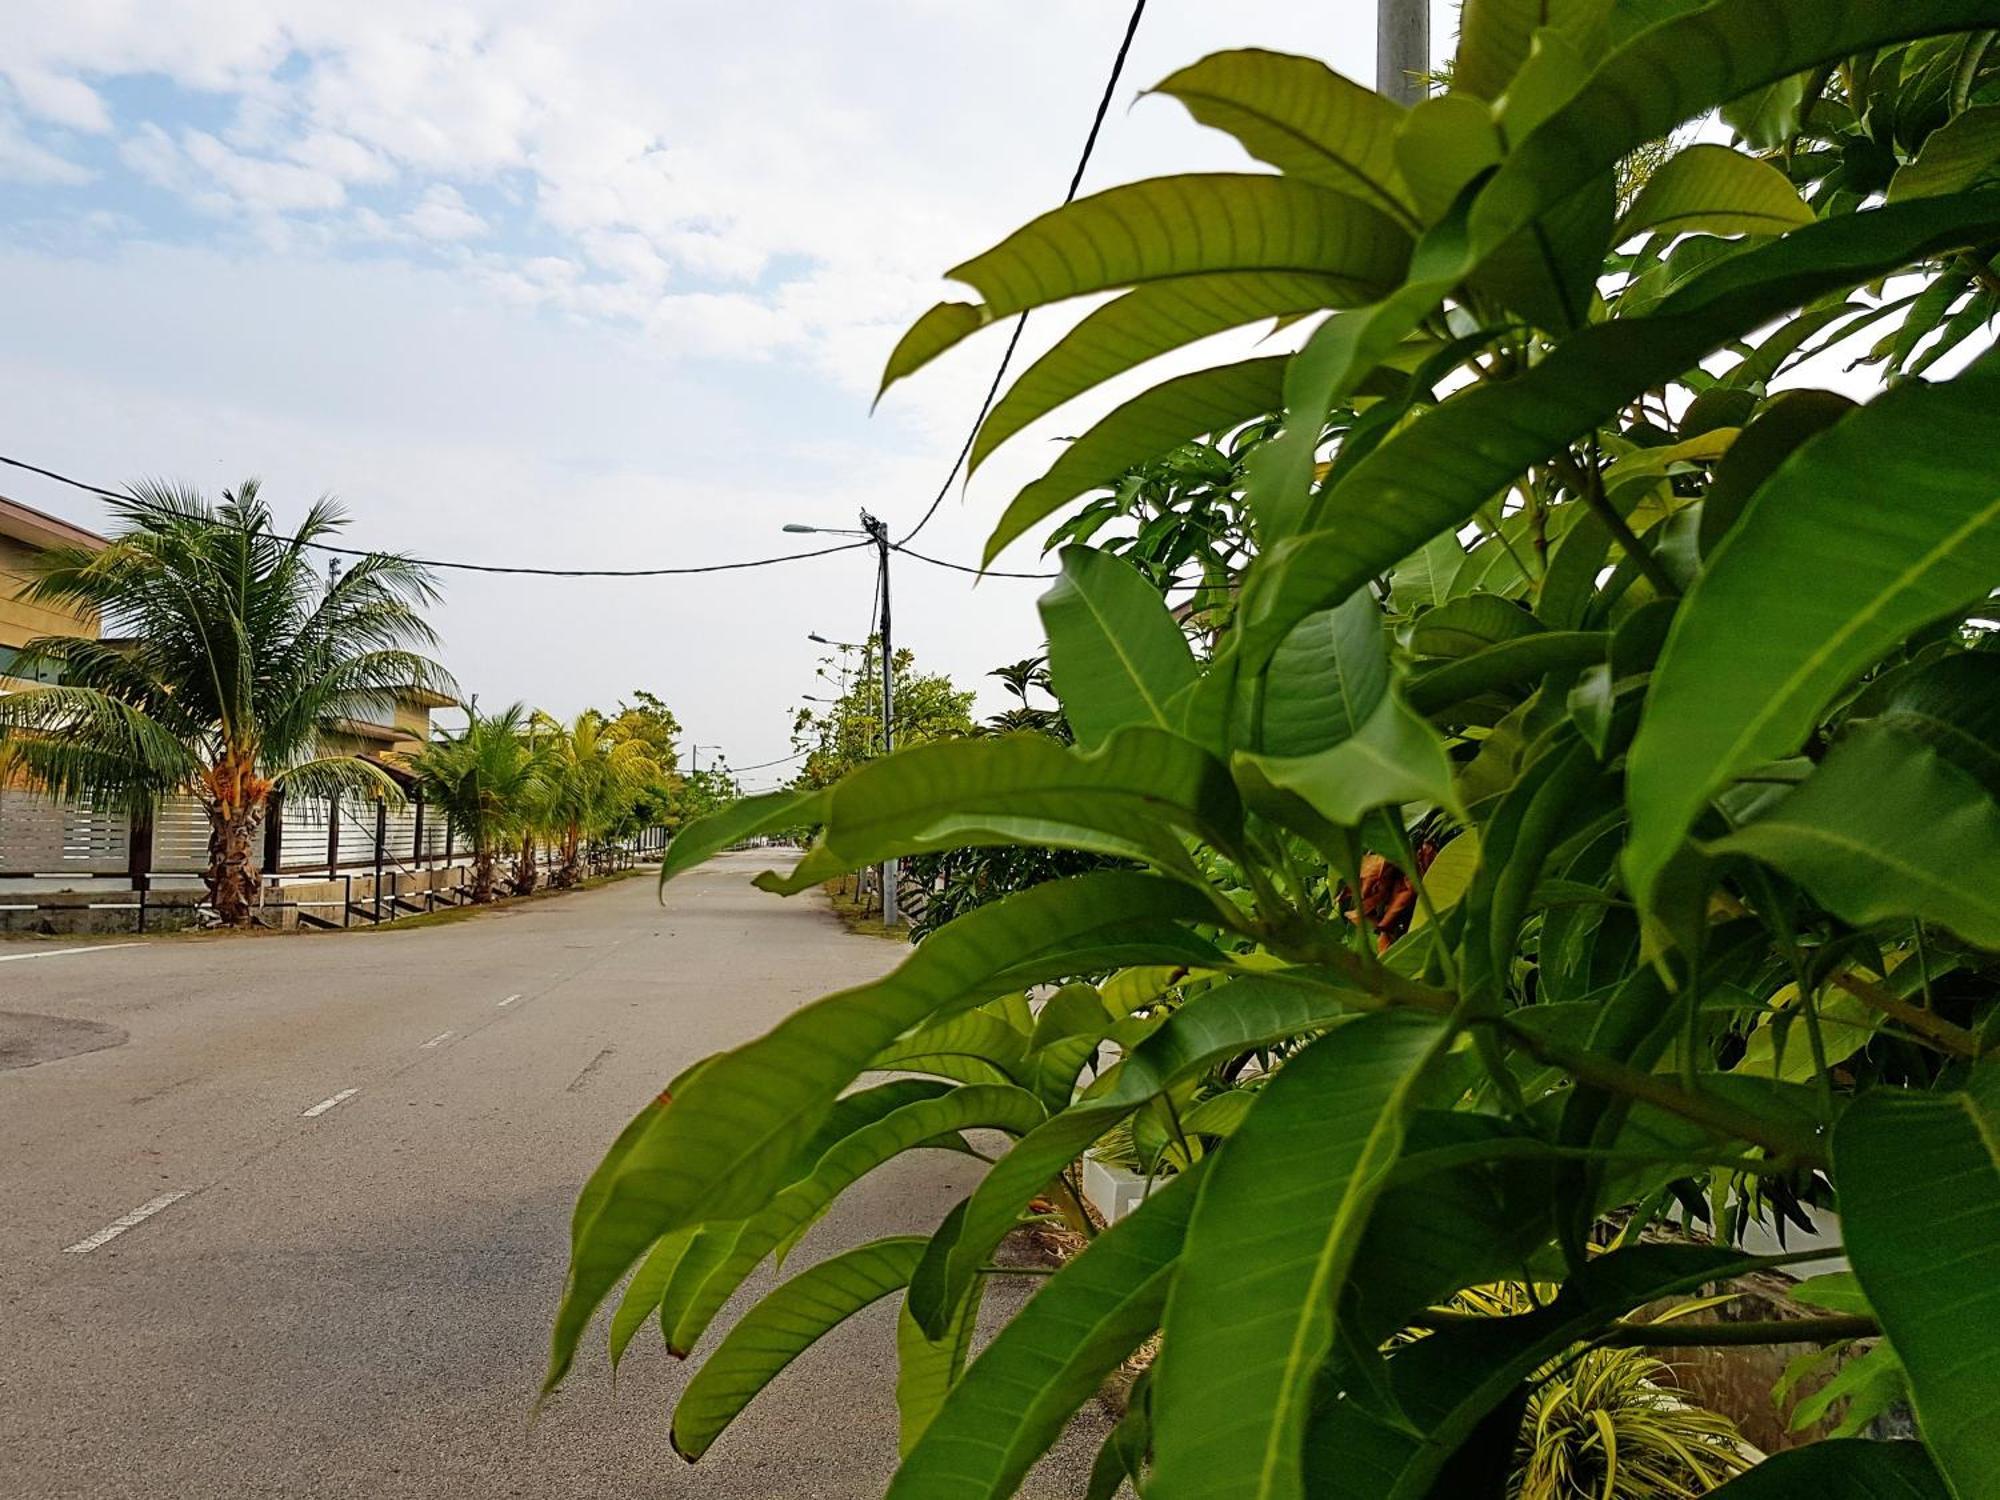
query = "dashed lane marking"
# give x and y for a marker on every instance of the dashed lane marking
(118, 1226)
(508, 1001)
(326, 1104)
(436, 1039)
(8, 958)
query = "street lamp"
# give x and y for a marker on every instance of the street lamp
(877, 531)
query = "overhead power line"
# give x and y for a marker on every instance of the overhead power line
(1014, 339)
(938, 562)
(535, 572)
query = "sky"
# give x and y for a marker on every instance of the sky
(602, 284)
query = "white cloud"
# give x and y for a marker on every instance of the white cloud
(24, 160)
(60, 99)
(444, 215)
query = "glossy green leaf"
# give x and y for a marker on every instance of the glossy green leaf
(643, 1293)
(1503, 668)
(1171, 413)
(1161, 229)
(1049, 1359)
(1327, 679)
(1116, 654)
(1707, 188)
(1468, 624)
(1444, 144)
(1446, 1383)
(1753, 657)
(1393, 757)
(1955, 156)
(1142, 324)
(1301, 117)
(1925, 1244)
(972, 1034)
(723, 1145)
(1887, 828)
(1953, 705)
(780, 1328)
(1250, 1320)
(1789, 419)
(1841, 1469)
(1216, 1024)
(1681, 68)
(927, 1369)
(1496, 36)
(744, 819)
(1438, 471)
(1137, 796)
(975, 1107)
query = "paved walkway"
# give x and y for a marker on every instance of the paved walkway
(315, 1193)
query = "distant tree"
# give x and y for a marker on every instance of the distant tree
(226, 663)
(490, 781)
(839, 736)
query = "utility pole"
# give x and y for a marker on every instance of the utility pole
(879, 531)
(1402, 48)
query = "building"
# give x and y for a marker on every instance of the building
(48, 847)
(25, 532)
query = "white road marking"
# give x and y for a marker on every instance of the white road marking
(509, 1001)
(8, 958)
(117, 1227)
(326, 1104)
(436, 1039)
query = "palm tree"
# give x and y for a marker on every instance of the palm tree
(487, 781)
(592, 781)
(225, 665)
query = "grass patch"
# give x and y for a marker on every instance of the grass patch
(860, 916)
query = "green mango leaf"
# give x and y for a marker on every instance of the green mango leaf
(1171, 413)
(1707, 188)
(1887, 828)
(1162, 229)
(976, 1035)
(1680, 69)
(975, 1107)
(1496, 36)
(1925, 1244)
(1116, 654)
(1787, 420)
(1955, 156)
(722, 1144)
(1137, 796)
(1468, 624)
(1435, 473)
(1301, 117)
(1752, 658)
(1394, 757)
(1327, 679)
(743, 819)
(647, 1286)
(1841, 1469)
(927, 1369)
(1216, 1024)
(1250, 1319)
(780, 1328)
(1142, 324)
(1446, 1384)
(1050, 1358)
(1951, 704)
(1444, 144)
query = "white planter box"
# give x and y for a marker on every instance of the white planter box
(1112, 1191)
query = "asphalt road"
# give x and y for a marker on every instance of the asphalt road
(352, 1298)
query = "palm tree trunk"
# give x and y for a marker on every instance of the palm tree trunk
(525, 870)
(571, 869)
(235, 808)
(483, 861)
